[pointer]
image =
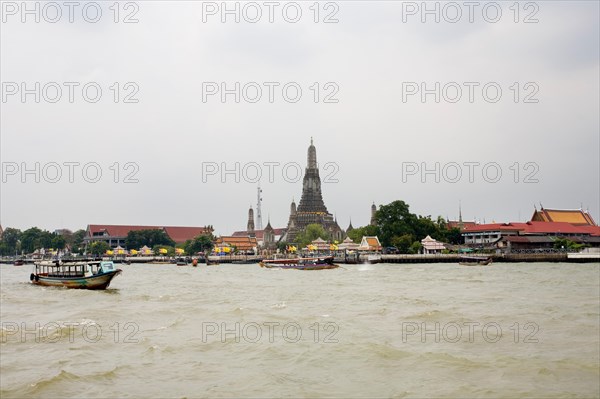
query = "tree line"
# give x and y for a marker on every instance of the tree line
(15, 241)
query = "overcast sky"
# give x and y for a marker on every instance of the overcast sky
(376, 53)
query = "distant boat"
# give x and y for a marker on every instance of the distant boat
(19, 262)
(83, 275)
(211, 262)
(474, 261)
(301, 263)
(181, 262)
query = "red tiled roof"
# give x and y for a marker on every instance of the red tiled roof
(182, 234)
(532, 228)
(593, 230)
(456, 224)
(177, 234)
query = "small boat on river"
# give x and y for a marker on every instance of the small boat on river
(182, 262)
(211, 262)
(301, 263)
(84, 275)
(474, 260)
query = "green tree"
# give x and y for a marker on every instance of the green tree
(415, 247)
(45, 239)
(395, 220)
(98, 248)
(424, 227)
(357, 234)
(149, 237)
(403, 243)
(30, 240)
(4, 249)
(282, 245)
(454, 236)
(565, 243)
(201, 243)
(311, 233)
(58, 242)
(10, 241)
(77, 241)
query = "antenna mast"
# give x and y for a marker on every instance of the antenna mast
(258, 211)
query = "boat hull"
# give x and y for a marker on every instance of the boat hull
(300, 263)
(302, 267)
(97, 282)
(485, 262)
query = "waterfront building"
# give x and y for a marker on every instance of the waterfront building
(370, 243)
(320, 244)
(432, 246)
(115, 235)
(544, 228)
(145, 250)
(261, 235)
(245, 244)
(529, 235)
(348, 245)
(311, 209)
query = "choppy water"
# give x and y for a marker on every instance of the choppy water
(510, 330)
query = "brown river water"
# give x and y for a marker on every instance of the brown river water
(240, 331)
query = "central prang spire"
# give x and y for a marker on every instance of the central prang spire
(312, 156)
(311, 209)
(312, 198)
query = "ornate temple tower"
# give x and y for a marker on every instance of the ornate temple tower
(269, 237)
(250, 227)
(373, 210)
(311, 209)
(350, 227)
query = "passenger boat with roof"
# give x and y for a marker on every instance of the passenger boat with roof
(317, 263)
(95, 275)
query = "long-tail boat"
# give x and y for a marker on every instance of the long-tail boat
(474, 261)
(84, 275)
(301, 263)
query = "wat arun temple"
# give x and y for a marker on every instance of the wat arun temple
(312, 209)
